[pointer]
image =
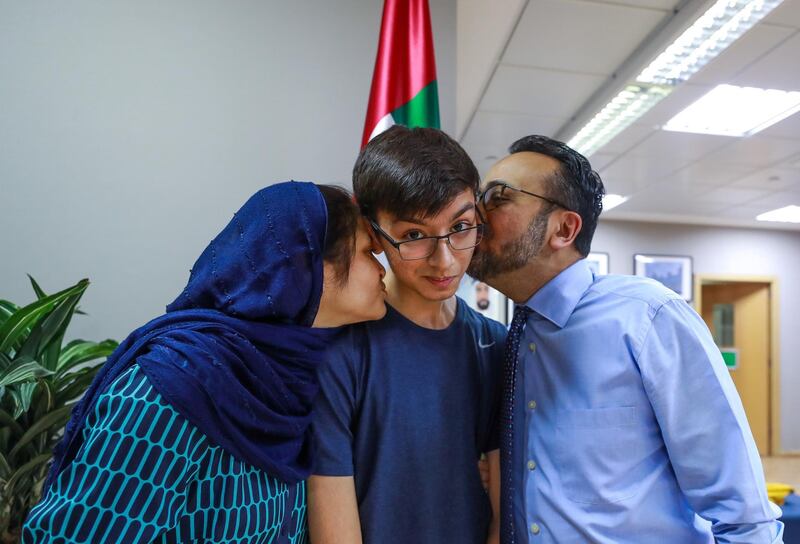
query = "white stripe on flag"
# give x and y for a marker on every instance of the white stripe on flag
(386, 122)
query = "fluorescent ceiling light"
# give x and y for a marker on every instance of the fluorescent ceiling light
(611, 201)
(788, 214)
(728, 110)
(710, 35)
(707, 37)
(630, 104)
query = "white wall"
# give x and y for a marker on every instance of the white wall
(718, 250)
(131, 131)
(483, 30)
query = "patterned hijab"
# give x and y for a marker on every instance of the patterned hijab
(235, 353)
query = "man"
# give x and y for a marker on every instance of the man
(407, 404)
(625, 426)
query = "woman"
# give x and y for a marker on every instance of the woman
(195, 430)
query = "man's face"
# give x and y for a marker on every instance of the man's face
(517, 226)
(482, 296)
(435, 277)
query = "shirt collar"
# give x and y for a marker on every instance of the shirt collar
(557, 299)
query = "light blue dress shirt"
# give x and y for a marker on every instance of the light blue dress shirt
(632, 429)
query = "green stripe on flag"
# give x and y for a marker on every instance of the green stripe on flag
(420, 111)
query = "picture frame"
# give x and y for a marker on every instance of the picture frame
(672, 271)
(482, 298)
(598, 262)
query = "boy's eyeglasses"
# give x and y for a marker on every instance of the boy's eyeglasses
(494, 196)
(422, 248)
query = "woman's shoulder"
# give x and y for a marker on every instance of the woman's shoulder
(131, 407)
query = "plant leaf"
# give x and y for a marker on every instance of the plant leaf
(40, 294)
(82, 352)
(10, 422)
(5, 469)
(17, 402)
(50, 328)
(14, 327)
(83, 378)
(42, 402)
(26, 393)
(51, 422)
(45, 399)
(6, 310)
(25, 469)
(5, 361)
(23, 370)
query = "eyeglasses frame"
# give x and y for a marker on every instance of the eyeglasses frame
(505, 185)
(394, 243)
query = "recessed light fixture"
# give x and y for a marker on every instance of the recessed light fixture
(787, 214)
(611, 201)
(728, 110)
(722, 24)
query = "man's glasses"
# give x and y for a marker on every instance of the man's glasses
(422, 248)
(495, 196)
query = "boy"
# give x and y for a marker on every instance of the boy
(407, 404)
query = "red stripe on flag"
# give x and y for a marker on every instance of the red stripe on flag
(405, 63)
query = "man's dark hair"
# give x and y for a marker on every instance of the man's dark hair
(412, 172)
(340, 231)
(575, 184)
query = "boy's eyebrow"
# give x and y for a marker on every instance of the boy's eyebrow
(421, 221)
(465, 208)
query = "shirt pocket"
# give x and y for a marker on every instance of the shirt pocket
(601, 454)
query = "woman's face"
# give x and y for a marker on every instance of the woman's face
(362, 297)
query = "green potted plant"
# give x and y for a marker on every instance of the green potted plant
(40, 381)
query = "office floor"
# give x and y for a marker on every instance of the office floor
(785, 470)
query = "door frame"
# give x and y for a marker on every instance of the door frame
(774, 347)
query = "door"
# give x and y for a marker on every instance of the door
(738, 315)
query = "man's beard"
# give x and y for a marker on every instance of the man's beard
(513, 255)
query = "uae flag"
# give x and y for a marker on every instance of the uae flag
(404, 88)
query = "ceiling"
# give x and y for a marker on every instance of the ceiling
(556, 57)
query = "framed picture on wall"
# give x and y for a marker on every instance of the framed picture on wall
(674, 271)
(598, 262)
(479, 296)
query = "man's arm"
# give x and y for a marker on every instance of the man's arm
(494, 496)
(705, 430)
(333, 510)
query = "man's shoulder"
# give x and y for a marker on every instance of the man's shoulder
(633, 290)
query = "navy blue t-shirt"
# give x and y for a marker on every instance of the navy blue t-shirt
(407, 411)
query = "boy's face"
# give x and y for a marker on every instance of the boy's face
(437, 276)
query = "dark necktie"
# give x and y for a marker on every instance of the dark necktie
(510, 379)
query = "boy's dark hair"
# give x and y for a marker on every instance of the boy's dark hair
(340, 231)
(575, 184)
(412, 173)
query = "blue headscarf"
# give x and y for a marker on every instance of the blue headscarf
(235, 353)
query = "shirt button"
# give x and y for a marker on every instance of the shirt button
(532, 347)
(531, 465)
(531, 405)
(535, 528)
